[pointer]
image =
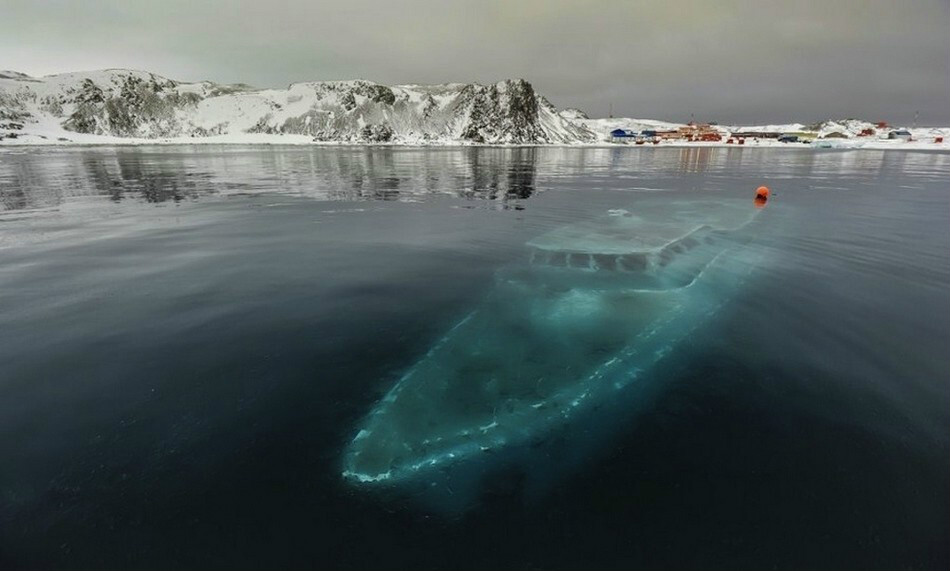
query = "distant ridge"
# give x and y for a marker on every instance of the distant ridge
(123, 106)
(138, 104)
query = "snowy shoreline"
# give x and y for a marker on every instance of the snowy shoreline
(302, 141)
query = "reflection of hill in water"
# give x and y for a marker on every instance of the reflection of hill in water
(499, 176)
(158, 176)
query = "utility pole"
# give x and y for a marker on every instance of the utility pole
(916, 114)
(611, 114)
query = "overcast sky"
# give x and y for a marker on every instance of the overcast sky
(729, 61)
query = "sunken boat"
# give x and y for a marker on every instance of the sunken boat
(579, 325)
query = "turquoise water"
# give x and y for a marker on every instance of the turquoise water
(190, 338)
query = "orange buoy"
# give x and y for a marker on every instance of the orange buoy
(761, 196)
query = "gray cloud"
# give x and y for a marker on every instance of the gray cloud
(730, 61)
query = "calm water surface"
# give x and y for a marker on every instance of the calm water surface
(190, 336)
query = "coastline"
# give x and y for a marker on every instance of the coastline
(303, 141)
(58, 137)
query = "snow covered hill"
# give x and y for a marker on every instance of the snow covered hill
(104, 105)
(120, 106)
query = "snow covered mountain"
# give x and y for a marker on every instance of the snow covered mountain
(128, 104)
(116, 106)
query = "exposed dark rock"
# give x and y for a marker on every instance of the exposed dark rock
(506, 112)
(376, 133)
(349, 101)
(376, 93)
(138, 108)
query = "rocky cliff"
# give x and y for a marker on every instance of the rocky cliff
(131, 104)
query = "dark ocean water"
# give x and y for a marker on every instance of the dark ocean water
(190, 336)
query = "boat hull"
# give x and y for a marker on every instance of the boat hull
(550, 348)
